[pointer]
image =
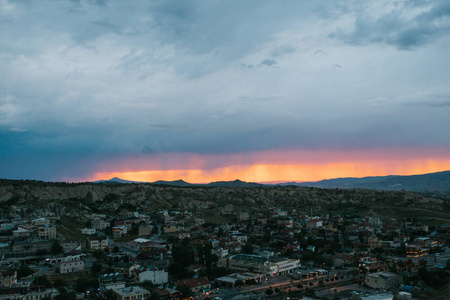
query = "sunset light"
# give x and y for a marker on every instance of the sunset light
(350, 164)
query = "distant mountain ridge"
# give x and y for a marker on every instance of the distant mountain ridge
(116, 180)
(439, 182)
(181, 183)
(235, 183)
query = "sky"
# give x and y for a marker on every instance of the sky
(264, 91)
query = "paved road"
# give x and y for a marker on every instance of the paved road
(277, 282)
(337, 290)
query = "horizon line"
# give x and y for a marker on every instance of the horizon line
(269, 182)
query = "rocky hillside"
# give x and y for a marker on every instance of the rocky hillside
(77, 199)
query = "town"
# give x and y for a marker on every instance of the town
(258, 253)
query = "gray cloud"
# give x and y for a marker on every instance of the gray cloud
(409, 24)
(283, 50)
(85, 81)
(433, 101)
(269, 62)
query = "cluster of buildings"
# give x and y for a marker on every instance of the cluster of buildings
(256, 246)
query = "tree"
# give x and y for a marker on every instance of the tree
(247, 248)
(56, 248)
(185, 291)
(81, 285)
(64, 295)
(209, 257)
(395, 294)
(205, 255)
(155, 296)
(238, 283)
(42, 280)
(183, 255)
(267, 237)
(99, 255)
(409, 265)
(378, 250)
(310, 293)
(423, 263)
(41, 252)
(59, 283)
(134, 229)
(108, 294)
(96, 267)
(148, 285)
(289, 252)
(182, 258)
(24, 271)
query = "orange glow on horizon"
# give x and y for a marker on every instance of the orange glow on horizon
(286, 172)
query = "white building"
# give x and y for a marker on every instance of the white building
(132, 292)
(21, 232)
(96, 243)
(283, 266)
(382, 280)
(88, 231)
(40, 222)
(154, 275)
(145, 229)
(112, 280)
(221, 252)
(100, 224)
(260, 264)
(47, 232)
(57, 260)
(375, 221)
(314, 223)
(240, 238)
(71, 266)
(119, 231)
(282, 213)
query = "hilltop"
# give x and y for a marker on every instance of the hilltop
(439, 182)
(431, 182)
(76, 199)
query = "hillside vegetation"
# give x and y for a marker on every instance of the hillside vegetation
(33, 198)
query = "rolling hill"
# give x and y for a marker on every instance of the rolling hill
(439, 182)
(432, 182)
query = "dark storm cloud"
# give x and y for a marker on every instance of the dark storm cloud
(85, 81)
(410, 24)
